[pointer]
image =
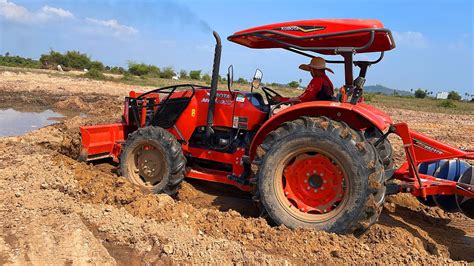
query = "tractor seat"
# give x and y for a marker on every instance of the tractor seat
(257, 100)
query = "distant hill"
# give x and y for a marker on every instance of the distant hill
(384, 90)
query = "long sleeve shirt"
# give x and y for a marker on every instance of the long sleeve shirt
(320, 88)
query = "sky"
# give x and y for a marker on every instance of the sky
(434, 38)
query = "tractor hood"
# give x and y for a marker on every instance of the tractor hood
(325, 36)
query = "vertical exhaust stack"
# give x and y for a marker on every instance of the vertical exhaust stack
(214, 80)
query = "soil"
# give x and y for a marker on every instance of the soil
(56, 210)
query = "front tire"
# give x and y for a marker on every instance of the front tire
(321, 174)
(152, 158)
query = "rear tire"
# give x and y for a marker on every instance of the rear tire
(384, 150)
(341, 150)
(152, 158)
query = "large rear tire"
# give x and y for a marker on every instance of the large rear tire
(321, 174)
(384, 150)
(152, 158)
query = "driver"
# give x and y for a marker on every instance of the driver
(319, 89)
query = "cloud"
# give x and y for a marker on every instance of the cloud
(113, 25)
(410, 38)
(57, 12)
(19, 14)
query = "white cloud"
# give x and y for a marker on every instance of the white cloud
(113, 25)
(16, 13)
(410, 38)
(57, 12)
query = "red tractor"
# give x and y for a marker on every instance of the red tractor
(325, 165)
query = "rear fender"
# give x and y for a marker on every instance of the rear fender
(359, 116)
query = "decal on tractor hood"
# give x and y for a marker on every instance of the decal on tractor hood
(301, 28)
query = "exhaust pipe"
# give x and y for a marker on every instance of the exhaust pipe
(214, 80)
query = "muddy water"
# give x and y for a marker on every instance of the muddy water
(14, 122)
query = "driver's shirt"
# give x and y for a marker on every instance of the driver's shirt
(319, 89)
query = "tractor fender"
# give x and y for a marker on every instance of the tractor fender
(359, 116)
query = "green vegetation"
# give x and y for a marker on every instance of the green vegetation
(94, 74)
(454, 96)
(17, 61)
(425, 105)
(242, 81)
(69, 60)
(183, 74)
(206, 78)
(167, 73)
(293, 84)
(419, 93)
(447, 104)
(143, 69)
(195, 74)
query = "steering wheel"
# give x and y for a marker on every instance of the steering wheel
(269, 94)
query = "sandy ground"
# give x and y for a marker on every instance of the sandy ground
(56, 210)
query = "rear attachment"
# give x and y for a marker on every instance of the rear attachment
(101, 141)
(453, 170)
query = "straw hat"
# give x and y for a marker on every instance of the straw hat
(316, 63)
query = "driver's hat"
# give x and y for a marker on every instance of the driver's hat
(316, 63)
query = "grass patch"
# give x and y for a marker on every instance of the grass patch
(447, 104)
(94, 74)
(425, 105)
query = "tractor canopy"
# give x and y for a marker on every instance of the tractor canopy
(324, 36)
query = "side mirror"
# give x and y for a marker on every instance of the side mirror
(257, 79)
(230, 77)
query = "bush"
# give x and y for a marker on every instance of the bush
(447, 104)
(117, 70)
(293, 84)
(71, 59)
(96, 65)
(17, 61)
(195, 74)
(419, 93)
(206, 78)
(242, 81)
(167, 73)
(368, 97)
(53, 59)
(94, 74)
(454, 96)
(76, 60)
(143, 69)
(183, 74)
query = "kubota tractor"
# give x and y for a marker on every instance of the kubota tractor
(325, 165)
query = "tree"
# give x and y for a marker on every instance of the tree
(206, 78)
(454, 96)
(143, 69)
(419, 93)
(242, 81)
(293, 84)
(53, 59)
(195, 74)
(167, 73)
(77, 60)
(183, 74)
(96, 65)
(7, 54)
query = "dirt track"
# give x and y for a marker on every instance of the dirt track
(56, 210)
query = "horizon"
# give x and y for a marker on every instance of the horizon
(177, 34)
